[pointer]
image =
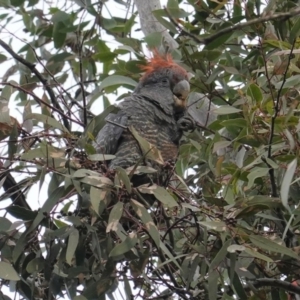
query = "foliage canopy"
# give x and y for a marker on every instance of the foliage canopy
(227, 230)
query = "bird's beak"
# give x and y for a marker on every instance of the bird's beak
(181, 91)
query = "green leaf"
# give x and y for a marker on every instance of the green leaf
(255, 93)
(36, 265)
(209, 55)
(7, 272)
(213, 277)
(4, 224)
(124, 178)
(5, 95)
(256, 204)
(159, 15)
(160, 194)
(214, 225)
(218, 42)
(99, 199)
(125, 246)
(153, 39)
(295, 31)
(174, 11)
(221, 255)
(101, 157)
(235, 248)
(234, 123)
(44, 151)
(92, 178)
(3, 58)
(291, 82)
(60, 16)
(117, 80)
(58, 58)
(105, 56)
(72, 245)
(230, 70)
(271, 246)
(147, 220)
(172, 4)
(48, 121)
(250, 140)
(286, 183)
(225, 110)
(221, 145)
(114, 217)
(256, 172)
(17, 2)
(21, 213)
(58, 36)
(258, 255)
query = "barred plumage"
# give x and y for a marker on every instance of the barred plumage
(153, 110)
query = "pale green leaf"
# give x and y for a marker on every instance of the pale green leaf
(114, 217)
(72, 245)
(225, 110)
(286, 182)
(117, 80)
(7, 272)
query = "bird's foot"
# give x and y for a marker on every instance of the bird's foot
(169, 164)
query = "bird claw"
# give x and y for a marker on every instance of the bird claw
(186, 123)
(169, 164)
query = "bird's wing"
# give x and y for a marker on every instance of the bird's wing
(107, 140)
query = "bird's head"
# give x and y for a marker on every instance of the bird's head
(166, 78)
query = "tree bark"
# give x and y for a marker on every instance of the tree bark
(149, 24)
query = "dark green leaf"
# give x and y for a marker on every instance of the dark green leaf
(218, 42)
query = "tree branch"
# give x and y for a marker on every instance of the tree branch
(262, 19)
(261, 282)
(150, 24)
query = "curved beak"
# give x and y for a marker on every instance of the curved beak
(181, 91)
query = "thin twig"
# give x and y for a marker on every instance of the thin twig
(174, 224)
(116, 124)
(273, 119)
(261, 19)
(211, 131)
(84, 112)
(44, 81)
(39, 101)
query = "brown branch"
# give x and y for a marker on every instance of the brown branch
(174, 224)
(261, 282)
(261, 19)
(44, 81)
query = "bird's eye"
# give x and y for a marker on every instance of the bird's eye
(165, 80)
